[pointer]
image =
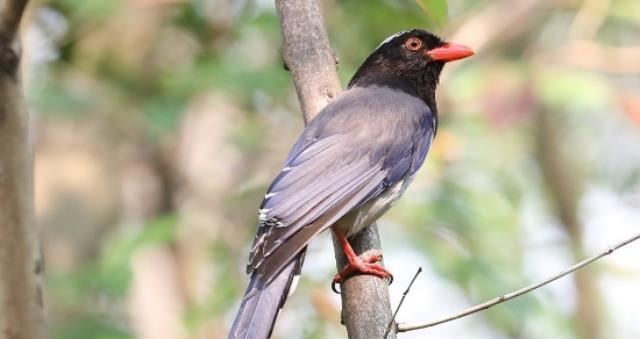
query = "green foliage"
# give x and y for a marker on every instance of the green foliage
(226, 283)
(55, 100)
(580, 90)
(89, 10)
(106, 278)
(628, 10)
(436, 10)
(91, 327)
(227, 74)
(163, 113)
(114, 272)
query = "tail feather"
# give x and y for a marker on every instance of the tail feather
(262, 302)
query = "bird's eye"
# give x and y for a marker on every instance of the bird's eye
(413, 44)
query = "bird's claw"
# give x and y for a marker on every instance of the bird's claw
(362, 266)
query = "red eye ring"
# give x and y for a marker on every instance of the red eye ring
(413, 43)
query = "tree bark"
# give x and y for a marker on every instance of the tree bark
(308, 55)
(21, 304)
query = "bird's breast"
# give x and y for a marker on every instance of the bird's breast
(369, 212)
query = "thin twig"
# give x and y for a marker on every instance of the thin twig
(404, 295)
(514, 294)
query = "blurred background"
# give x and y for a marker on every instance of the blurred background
(160, 123)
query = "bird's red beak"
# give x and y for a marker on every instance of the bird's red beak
(449, 52)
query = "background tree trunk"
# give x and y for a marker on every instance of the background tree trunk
(307, 53)
(564, 185)
(21, 301)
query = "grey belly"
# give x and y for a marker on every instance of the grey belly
(354, 221)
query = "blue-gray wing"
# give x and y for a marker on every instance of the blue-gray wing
(347, 156)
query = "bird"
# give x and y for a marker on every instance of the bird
(351, 163)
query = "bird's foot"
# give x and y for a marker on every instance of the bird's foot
(363, 266)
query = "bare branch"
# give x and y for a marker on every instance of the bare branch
(21, 296)
(517, 293)
(404, 295)
(10, 15)
(366, 309)
(307, 53)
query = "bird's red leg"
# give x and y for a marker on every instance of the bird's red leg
(356, 264)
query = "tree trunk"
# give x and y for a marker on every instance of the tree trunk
(21, 303)
(307, 53)
(156, 300)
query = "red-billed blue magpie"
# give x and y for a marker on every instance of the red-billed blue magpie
(350, 165)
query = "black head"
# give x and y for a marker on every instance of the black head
(410, 61)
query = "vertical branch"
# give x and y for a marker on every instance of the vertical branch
(307, 53)
(366, 309)
(21, 309)
(10, 15)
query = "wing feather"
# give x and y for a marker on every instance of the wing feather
(283, 254)
(345, 157)
(312, 195)
(325, 203)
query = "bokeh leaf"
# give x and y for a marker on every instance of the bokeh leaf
(436, 10)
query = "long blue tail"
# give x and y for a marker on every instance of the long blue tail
(262, 302)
